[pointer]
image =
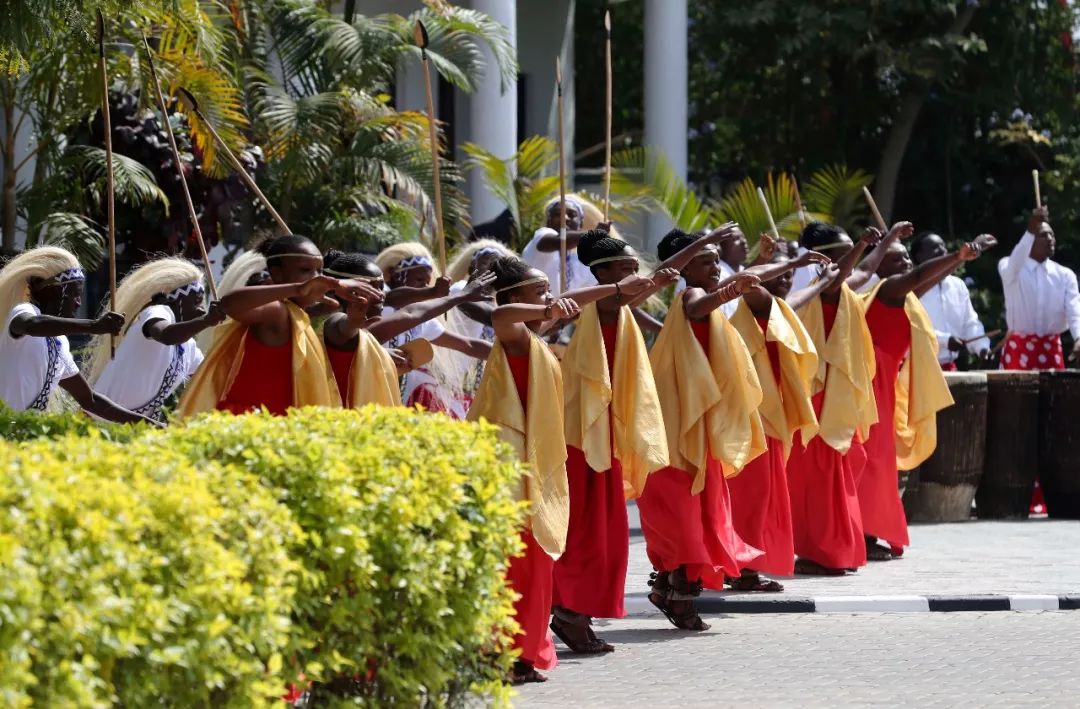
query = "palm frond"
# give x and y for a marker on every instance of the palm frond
(644, 175)
(834, 194)
(456, 36)
(498, 174)
(743, 205)
(74, 232)
(133, 182)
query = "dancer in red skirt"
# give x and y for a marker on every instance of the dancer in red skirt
(908, 386)
(521, 391)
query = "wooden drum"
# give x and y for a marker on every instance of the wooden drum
(948, 479)
(1059, 435)
(1012, 445)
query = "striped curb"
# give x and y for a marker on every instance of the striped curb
(712, 604)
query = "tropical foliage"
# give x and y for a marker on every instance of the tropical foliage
(303, 91)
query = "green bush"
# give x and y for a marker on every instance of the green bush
(217, 561)
(129, 576)
(409, 520)
(30, 425)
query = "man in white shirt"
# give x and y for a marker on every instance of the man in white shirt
(1041, 300)
(948, 303)
(542, 251)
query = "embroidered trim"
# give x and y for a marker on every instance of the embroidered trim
(72, 274)
(41, 401)
(178, 294)
(484, 252)
(414, 262)
(169, 382)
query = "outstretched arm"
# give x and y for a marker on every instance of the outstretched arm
(846, 265)
(386, 328)
(509, 320)
(895, 288)
(829, 279)
(768, 271)
(99, 405)
(180, 332)
(109, 323)
(865, 270)
(699, 304)
(406, 295)
(668, 271)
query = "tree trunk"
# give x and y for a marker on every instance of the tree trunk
(911, 103)
(350, 10)
(8, 243)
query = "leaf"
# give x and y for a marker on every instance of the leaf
(73, 232)
(834, 194)
(133, 182)
(644, 175)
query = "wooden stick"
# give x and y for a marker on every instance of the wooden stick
(874, 210)
(1038, 197)
(768, 213)
(798, 202)
(110, 190)
(992, 333)
(607, 106)
(421, 37)
(193, 105)
(563, 276)
(180, 171)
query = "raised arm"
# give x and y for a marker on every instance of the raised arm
(895, 288)
(667, 272)
(698, 304)
(768, 271)
(825, 282)
(846, 265)
(865, 270)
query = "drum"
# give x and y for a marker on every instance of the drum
(948, 479)
(1059, 435)
(1012, 445)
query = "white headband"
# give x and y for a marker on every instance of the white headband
(413, 262)
(72, 274)
(182, 292)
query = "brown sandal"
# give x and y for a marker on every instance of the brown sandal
(576, 633)
(524, 673)
(809, 567)
(756, 583)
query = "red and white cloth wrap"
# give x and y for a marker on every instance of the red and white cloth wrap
(1027, 352)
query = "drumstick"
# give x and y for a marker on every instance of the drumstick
(873, 209)
(992, 333)
(1001, 344)
(1038, 197)
(798, 202)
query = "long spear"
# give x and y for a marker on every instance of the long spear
(180, 171)
(110, 190)
(563, 277)
(607, 142)
(420, 36)
(192, 105)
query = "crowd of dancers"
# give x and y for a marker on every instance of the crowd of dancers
(761, 434)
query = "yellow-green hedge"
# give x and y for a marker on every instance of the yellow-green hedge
(217, 561)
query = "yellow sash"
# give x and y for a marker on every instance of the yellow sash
(638, 425)
(710, 402)
(373, 378)
(846, 368)
(786, 406)
(536, 435)
(313, 380)
(921, 390)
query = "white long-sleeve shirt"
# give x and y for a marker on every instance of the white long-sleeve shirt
(578, 274)
(949, 306)
(1040, 298)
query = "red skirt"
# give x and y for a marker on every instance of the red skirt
(761, 510)
(696, 531)
(1028, 352)
(590, 576)
(878, 484)
(530, 577)
(825, 517)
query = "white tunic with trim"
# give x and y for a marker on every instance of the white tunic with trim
(31, 367)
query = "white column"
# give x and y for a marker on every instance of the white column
(493, 113)
(666, 90)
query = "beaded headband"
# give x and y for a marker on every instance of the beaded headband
(68, 276)
(522, 284)
(182, 292)
(414, 262)
(484, 252)
(609, 259)
(353, 276)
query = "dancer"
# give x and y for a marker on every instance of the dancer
(40, 293)
(542, 251)
(823, 468)
(439, 385)
(156, 354)
(709, 395)
(909, 388)
(615, 438)
(268, 355)
(365, 371)
(785, 362)
(522, 393)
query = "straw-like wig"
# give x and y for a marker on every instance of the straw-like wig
(393, 257)
(44, 262)
(461, 264)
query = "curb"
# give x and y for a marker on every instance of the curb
(713, 604)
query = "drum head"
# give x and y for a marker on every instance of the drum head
(419, 352)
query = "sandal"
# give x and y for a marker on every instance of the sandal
(524, 673)
(680, 602)
(876, 552)
(577, 635)
(757, 584)
(659, 582)
(809, 567)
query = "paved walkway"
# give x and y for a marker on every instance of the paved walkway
(815, 660)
